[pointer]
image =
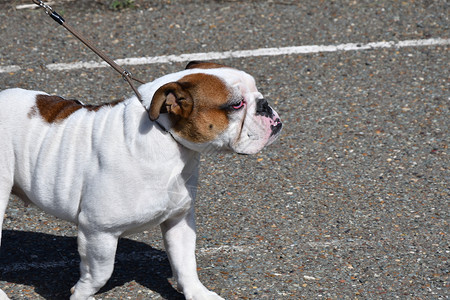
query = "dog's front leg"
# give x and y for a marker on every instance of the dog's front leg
(179, 241)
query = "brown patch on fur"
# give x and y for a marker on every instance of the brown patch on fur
(33, 112)
(203, 65)
(208, 118)
(54, 109)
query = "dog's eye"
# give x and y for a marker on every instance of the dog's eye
(238, 105)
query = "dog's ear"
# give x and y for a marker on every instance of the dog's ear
(193, 64)
(173, 98)
(203, 65)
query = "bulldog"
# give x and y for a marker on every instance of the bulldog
(118, 168)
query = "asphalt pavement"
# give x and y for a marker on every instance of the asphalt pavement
(352, 202)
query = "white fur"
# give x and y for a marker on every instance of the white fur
(114, 172)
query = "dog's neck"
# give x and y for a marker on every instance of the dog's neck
(150, 137)
(164, 123)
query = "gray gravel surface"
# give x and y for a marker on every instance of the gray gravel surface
(352, 202)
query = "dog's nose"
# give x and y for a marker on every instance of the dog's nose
(263, 108)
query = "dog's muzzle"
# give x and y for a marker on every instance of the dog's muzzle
(263, 109)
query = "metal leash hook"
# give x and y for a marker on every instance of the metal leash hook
(126, 75)
(48, 8)
(50, 11)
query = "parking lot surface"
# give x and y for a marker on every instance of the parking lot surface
(352, 202)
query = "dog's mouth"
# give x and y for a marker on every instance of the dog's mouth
(276, 127)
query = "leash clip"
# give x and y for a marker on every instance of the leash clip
(48, 9)
(126, 74)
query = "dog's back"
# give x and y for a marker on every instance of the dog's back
(14, 104)
(44, 145)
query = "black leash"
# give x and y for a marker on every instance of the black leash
(126, 75)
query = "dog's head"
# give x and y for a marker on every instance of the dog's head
(210, 106)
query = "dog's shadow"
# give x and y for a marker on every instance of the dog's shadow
(51, 264)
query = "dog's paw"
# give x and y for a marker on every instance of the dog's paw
(202, 294)
(77, 296)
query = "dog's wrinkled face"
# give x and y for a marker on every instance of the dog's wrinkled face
(214, 107)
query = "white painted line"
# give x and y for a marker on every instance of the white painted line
(17, 267)
(34, 6)
(250, 53)
(10, 69)
(137, 257)
(29, 6)
(133, 61)
(224, 249)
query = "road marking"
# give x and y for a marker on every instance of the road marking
(134, 61)
(10, 69)
(154, 255)
(34, 6)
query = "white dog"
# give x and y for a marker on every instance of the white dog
(118, 168)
